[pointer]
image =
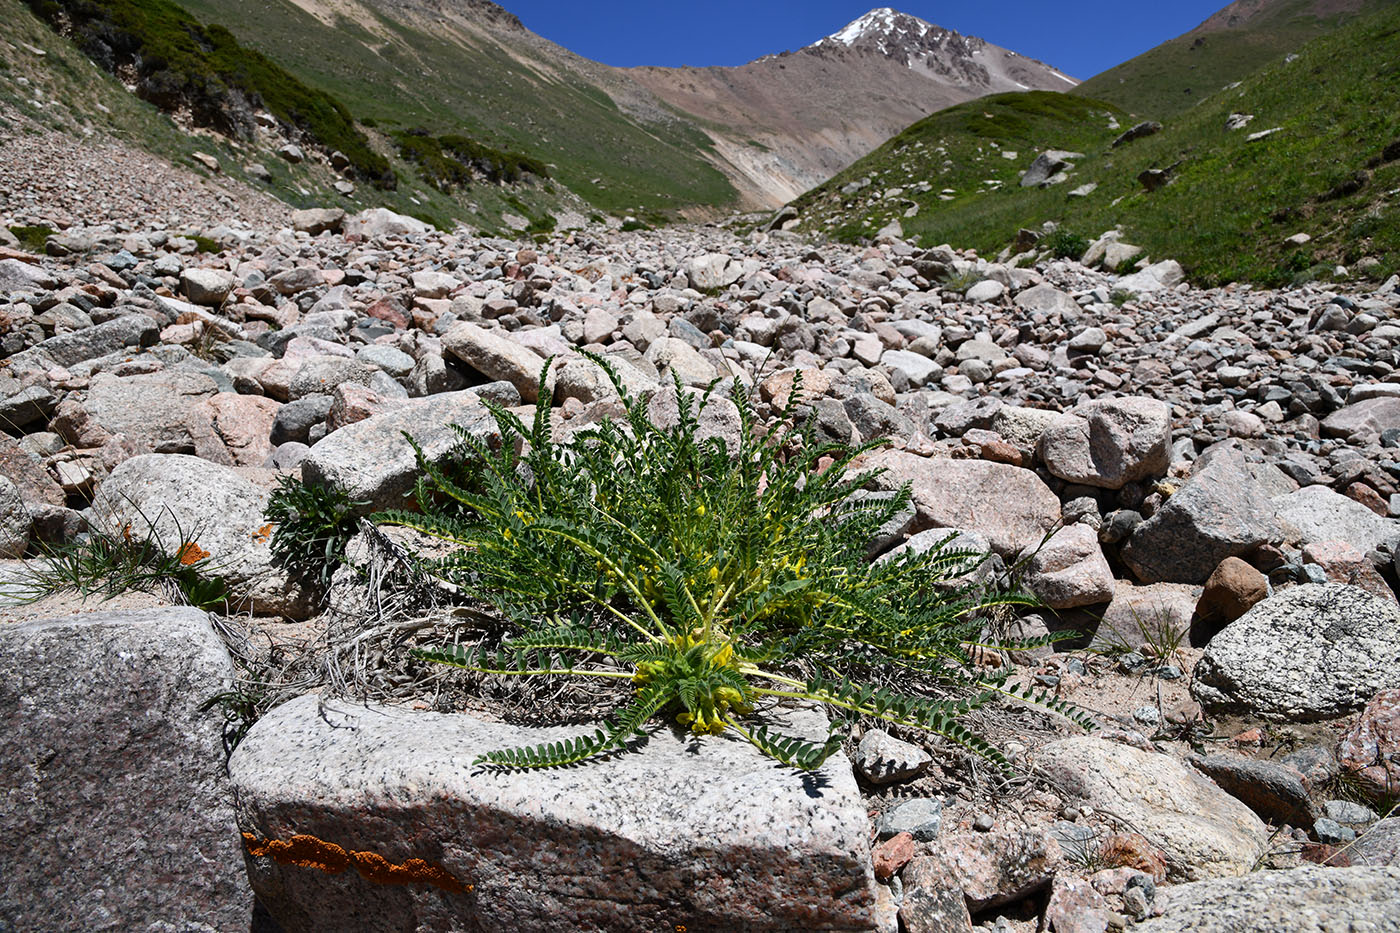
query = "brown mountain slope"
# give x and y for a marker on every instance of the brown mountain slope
(790, 121)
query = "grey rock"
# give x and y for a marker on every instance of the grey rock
(1379, 845)
(920, 818)
(1049, 300)
(1012, 507)
(177, 499)
(1112, 443)
(1076, 840)
(1332, 833)
(1140, 617)
(159, 411)
(1202, 831)
(27, 405)
(1320, 900)
(1315, 514)
(718, 419)
(320, 375)
(371, 461)
(883, 759)
(1349, 813)
(1275, 792)
(1045, 166)
(16, 276)
(876, 419)
(318, 220)
(585, 380)
(496, 357)
(206, 286)
(117, 810)
(1308, 653)
(918, 368)
(127, 331)
(15, 520)
(299, 279)
(1070, 570)
(985, 291)
(391, 360)
(712, 271)
(675, 357)
(295, 420)
(1363, 419)
(642, 842)
(382, 222)
(1220, 512)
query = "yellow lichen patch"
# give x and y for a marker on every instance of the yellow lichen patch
(310, 852)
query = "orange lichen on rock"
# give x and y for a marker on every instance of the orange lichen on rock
(311, 852)
(263, 533)
(191, 553)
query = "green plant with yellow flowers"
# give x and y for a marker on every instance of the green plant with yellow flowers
(714, 576)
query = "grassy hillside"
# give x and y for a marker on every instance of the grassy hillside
(1180, 73)
(398, 77)
(1331, 171)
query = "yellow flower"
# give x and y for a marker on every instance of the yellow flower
(700, 510)
(714, 574)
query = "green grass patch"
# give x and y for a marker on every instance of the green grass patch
(32, 238)
(1331, 171)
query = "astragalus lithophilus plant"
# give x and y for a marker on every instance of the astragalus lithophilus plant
(714, 577)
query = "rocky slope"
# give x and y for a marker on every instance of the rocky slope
(791, 121)
(1205, 484)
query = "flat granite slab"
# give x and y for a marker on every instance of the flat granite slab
(373, 818)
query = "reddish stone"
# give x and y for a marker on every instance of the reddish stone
(1232, 590)
(1345, 564)
(892, 855)
(388, 311)
(1371, 750)
(352, 402)
(1360, 492)
(1075, 907)
(1253, 736)
(244, 424)
(1129, 850)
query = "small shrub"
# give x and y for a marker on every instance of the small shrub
(32, 238)
(711, 579)
(311, 527)
(1064, 244)
(202, 244)
(631, 225)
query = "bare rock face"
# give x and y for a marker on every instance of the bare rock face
(181, 500)
(1142, 616)
(1311, 652)
(372, 462)
(496, 356)
(993, 868)
(704, 834)
(1203, 831)
(1341, 899)
(1220, 512)
(15, 521)
(116, 814)
(1012, 507)
(1370, 752)
(1112, 443)
(1070, 570)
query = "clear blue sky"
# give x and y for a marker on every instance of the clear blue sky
(1080, 37)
